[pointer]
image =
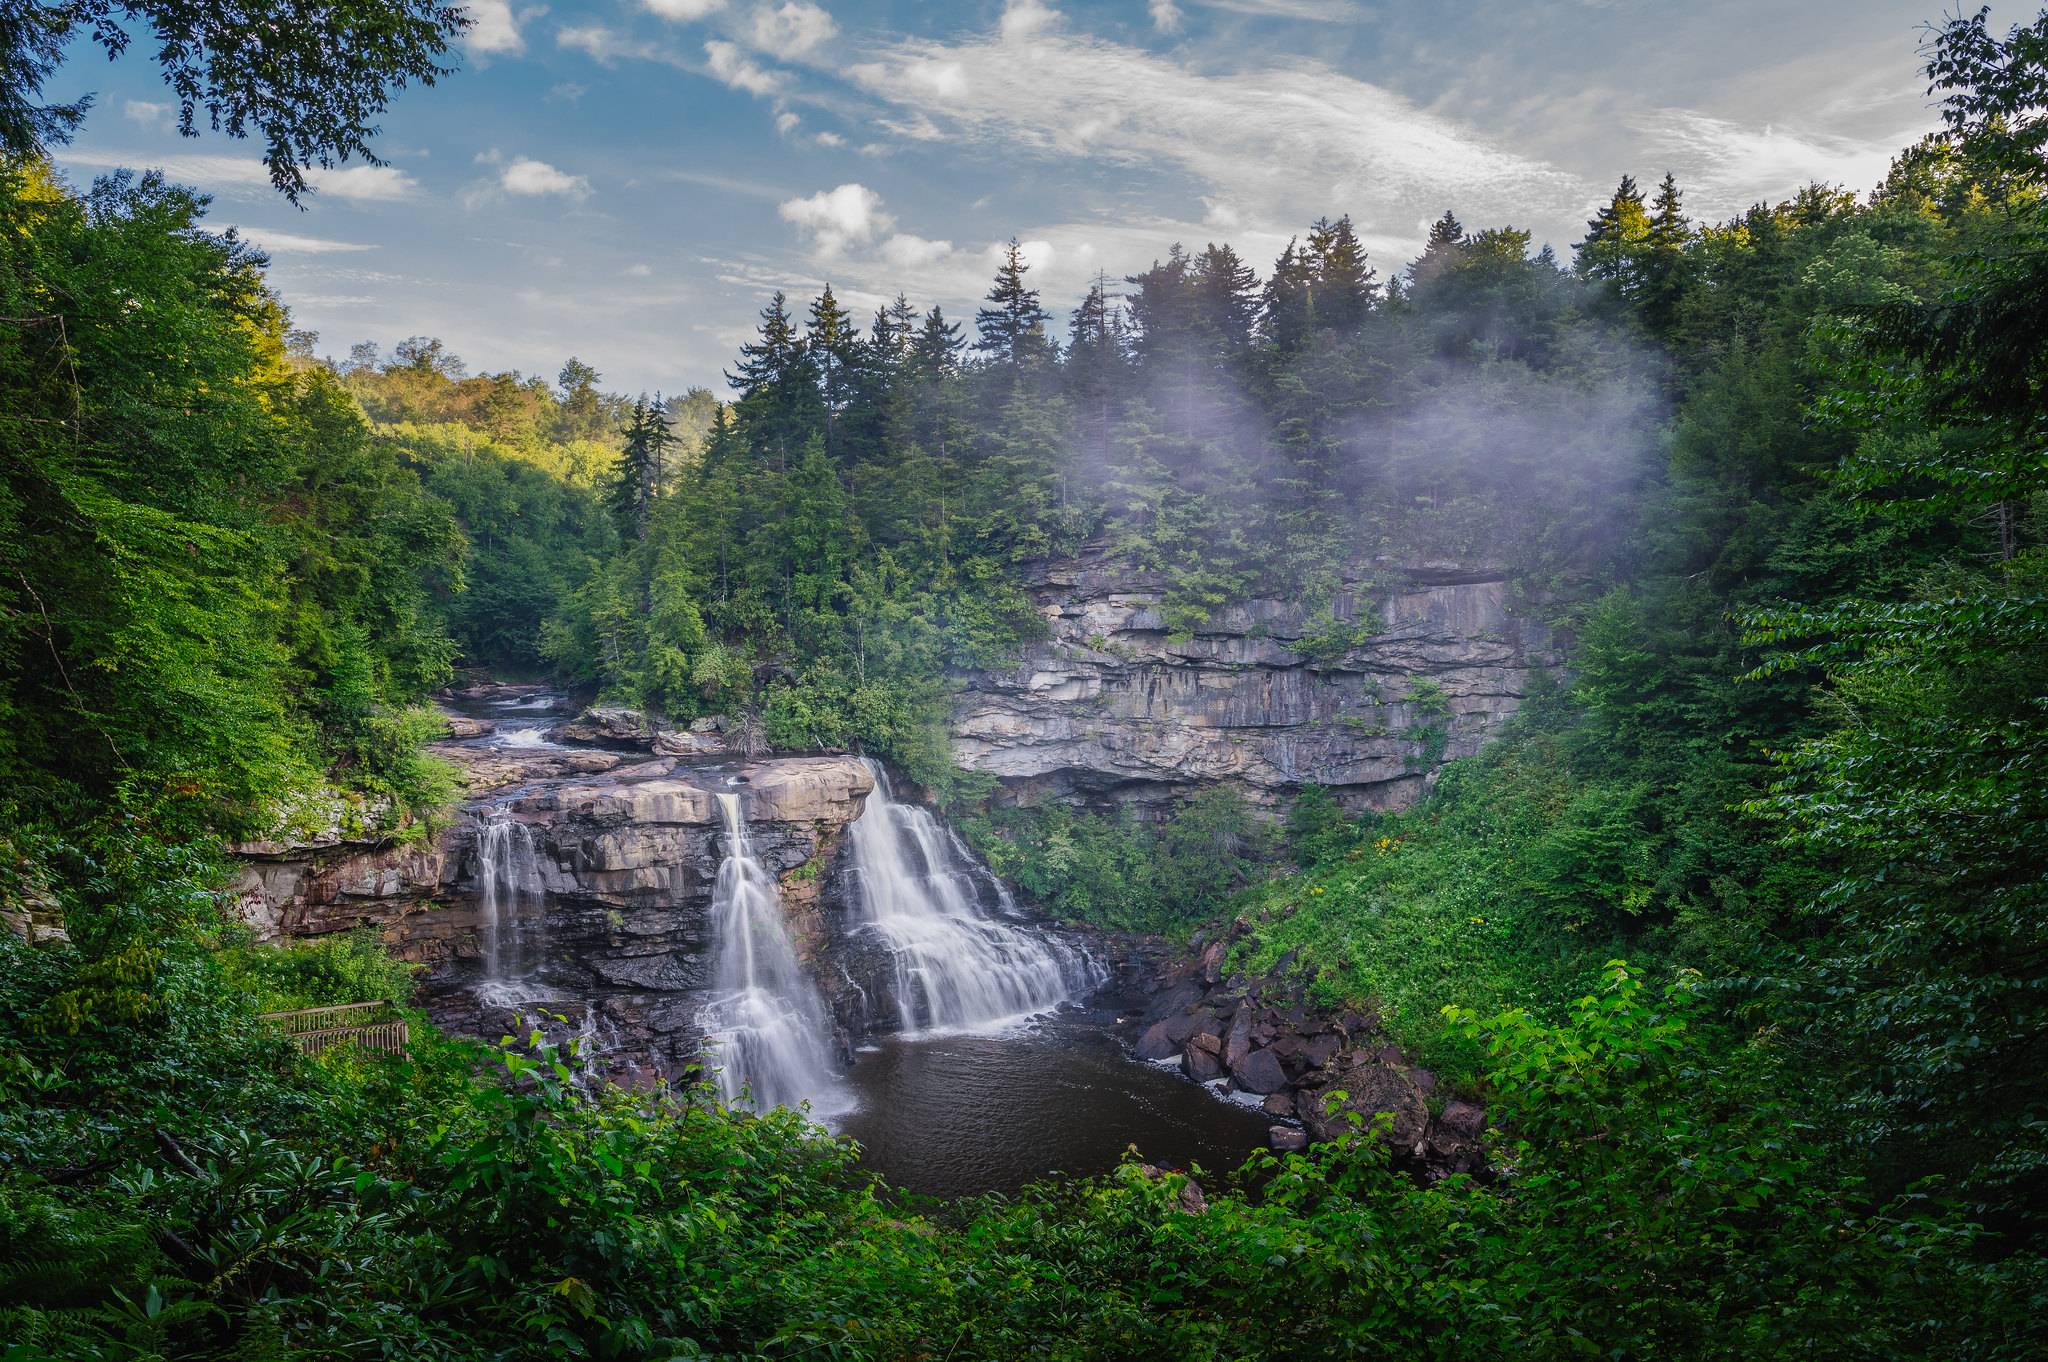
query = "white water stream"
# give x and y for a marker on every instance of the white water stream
(507, 881)
(957, 969)
(768, 1020)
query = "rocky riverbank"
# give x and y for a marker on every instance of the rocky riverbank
(1263, 1037)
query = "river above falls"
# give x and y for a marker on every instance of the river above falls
(956, 1115)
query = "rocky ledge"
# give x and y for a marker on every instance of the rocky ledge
(1263, 1037)
(1367, 701)
(572, 885)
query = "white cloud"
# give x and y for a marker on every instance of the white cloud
(906, 252)
(830, 139)
(291, 243)
(682, 10)
(1276, 146)
(247, 177)
(1022, 18)
(364, 184)
(837, 217)
(492, 28)
(146, 113)
(785, 121)
(791, 32)
(595, 39)
(639, 271)
(1166, 16)
(732, 66)
(532, 179)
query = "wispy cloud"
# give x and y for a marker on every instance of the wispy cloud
(1270, 145)
(736, 69)
(1732, 165)
(524, 177)
(292, 243)
(148, 114)
(682, 10)
(245, 176)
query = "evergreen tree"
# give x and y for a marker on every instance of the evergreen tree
(1226, 294)
(1440, 252)
(935, 352)
(1616, 239)
(1341, 293)
(1011, 328)
(642, 470)
(1664, 261)
(776, 379)
(1096, 364)
(834, 346)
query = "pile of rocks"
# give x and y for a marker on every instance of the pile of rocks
(1262, 1037)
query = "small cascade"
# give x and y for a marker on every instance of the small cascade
(957, 969)
(507, 885)
(768, 1021)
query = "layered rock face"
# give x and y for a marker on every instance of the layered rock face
(1110, 709)
(586, 894)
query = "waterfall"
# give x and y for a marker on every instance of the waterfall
(956, 968)
(507, 880)
(768, 1021)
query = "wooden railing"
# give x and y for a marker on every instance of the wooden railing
(376, 1026)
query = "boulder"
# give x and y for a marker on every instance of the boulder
(1278, 1104)
(1287, 1139)
(1371, 1090)
(1238, 1043)
(1201, 1061)
(710, 723)
(1424, 1080)
(688, 745)
(462, 726)
(1177, 998)
(1259, 1072)
(1320, 1050)
(1156, 1043)
(1178, 1029)
(590, 763)
(609, 724)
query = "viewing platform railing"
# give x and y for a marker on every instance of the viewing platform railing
(376, 1026)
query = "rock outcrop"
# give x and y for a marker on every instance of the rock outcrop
(1324, 1075)
(1111, 709)
(602, 904)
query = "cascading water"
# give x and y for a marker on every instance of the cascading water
(507, 881)
(768, 1021)
(956, 968)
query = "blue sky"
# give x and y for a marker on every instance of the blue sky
(628, 180)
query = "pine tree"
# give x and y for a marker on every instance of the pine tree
(1011, 329)
(834, 346)
(935, 353)
(1663, 266)
(642, 470)
(1440, 253)
(1616, 238)
(1342, 291)
(1226, 292)
(768, 361)
(1097, 364)
(1285, 317)
(777, 381)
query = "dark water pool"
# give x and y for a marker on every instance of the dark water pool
(950, 1116)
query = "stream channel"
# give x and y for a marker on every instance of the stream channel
(1008, 1059)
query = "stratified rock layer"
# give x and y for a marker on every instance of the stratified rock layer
(1110, 708)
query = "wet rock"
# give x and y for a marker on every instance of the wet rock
(1156, 1043)
(1278, 1104)
(1238, 1042)
(1202, 1060)
(1175, 998)
(1259, 1072)
(1320, 1050)
(1371, 1090)
(462, 726)
(1286, 1139)
(590, 763)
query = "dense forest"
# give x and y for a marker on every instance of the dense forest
(1738, 927)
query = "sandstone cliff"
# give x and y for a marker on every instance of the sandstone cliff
(1110, 709)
